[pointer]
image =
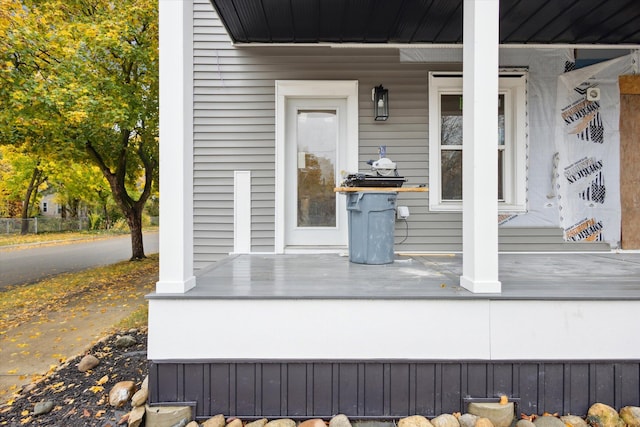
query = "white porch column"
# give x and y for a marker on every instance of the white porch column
(176, 147)
(479, 158)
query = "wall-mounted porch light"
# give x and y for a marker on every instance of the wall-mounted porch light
(380, 98)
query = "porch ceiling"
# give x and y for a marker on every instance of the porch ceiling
(583, 22)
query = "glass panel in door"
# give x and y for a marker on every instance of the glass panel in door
(316, 152)
(317, 133)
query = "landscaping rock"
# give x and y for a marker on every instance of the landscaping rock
(257, 423)
(468, 420)
(167, 416)
(573, 421)
(315, 422)
(499, 414)
(236, 422)
(373, 423)
(631, 416)
(484, 422)
(415, 421)
(283, 422)
(121, 393)
(525, 423)
(44, 407)
(125, 341)
(88, 362)
(340, 420)
(192, 424)
(445, 420)
(215, 421)
(136, 416)
(140, 397)
(548, 421)
(601, 415)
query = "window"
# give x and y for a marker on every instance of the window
(445, 142)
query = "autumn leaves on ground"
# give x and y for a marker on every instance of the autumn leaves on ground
(43, 324)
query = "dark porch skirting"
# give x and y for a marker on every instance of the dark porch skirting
(385, 390)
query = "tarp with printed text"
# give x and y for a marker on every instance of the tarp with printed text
(587, 143)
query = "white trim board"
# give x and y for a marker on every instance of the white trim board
(394, 329)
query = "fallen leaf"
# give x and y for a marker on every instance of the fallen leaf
(96, 388)
(103, 380)
(504, 400)
(58, 387)
(86, 413)
(100, 413)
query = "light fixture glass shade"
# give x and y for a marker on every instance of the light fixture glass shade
(380, 103)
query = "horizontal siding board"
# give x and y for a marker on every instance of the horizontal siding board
(235, 151)
(236, 166)
(226, 130)
(232, 121)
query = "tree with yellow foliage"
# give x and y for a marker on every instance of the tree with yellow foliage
(79, 79)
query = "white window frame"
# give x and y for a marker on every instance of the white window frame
(513, 85)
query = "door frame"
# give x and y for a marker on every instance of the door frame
(347, 89)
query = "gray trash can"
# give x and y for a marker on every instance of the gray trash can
(371, 226)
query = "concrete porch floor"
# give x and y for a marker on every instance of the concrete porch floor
(557, 276)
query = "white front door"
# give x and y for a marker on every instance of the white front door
(315, 154)
(316, 139)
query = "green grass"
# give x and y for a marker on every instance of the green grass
(139, 319)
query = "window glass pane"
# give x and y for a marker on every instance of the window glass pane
(451, 134)
(317, 133)
(451, 120)
(451, 174)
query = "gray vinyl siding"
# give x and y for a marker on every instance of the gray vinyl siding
(234, 129)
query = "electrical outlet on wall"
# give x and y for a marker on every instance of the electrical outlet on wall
(402, 212)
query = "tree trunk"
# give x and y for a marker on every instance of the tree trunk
(134, 219)
(132, 209)
(26, 203)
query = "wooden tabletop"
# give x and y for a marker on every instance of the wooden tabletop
(396, 189)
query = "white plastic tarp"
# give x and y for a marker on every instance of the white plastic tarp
(587, 141)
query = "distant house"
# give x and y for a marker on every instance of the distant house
(48, 206)
(264, 105)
